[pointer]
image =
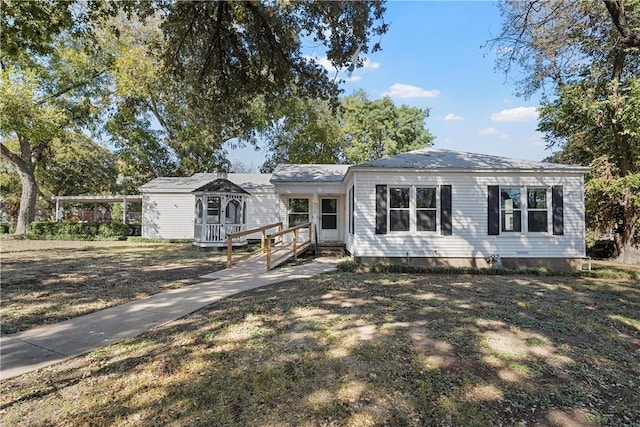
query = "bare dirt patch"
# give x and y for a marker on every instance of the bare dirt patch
(46, 282)
(364, 350)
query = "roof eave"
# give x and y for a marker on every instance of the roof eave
(572, 170)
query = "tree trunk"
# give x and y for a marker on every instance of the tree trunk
(27, 211)
(24, 166)
(628, 252)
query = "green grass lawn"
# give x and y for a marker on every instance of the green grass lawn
(350, 349)
(46, 281)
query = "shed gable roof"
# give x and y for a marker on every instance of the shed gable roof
(249, 182)
(220, 185)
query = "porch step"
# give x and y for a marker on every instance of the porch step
(336, 250)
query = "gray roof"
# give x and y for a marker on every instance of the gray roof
(248, 182)
(309, 173)
(220, 185)
(438, 159)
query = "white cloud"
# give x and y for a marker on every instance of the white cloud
(370, 64)
(493, 132)
(399, 90)
(353, 79)
(452, 117)
(327, 65)
(518, 114)
(322, 61)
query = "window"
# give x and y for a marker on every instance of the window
(510, 209)
(414, 209)
(537, 209)
(525, 209)
(399, 210)
(298, 212)
(426, 209)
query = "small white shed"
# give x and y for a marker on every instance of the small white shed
(169, 203)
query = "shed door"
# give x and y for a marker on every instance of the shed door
(329, 219)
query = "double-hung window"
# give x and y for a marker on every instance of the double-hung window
(426, 209)
(525, 210)
(399, 209)
(298, 211)
(510, 209)
(413, 209)
(537, 210)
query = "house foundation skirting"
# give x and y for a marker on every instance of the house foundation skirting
(552, 264)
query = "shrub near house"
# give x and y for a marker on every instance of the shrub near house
(78, 230)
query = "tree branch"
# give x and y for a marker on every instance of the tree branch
(153, 106)
(72, 87)
(616, 10)
(15, 160)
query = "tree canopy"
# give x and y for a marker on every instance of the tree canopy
(168, 89)
(357, 131)
(585, 58)
(373, 129)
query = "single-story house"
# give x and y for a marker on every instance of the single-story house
(428, 206)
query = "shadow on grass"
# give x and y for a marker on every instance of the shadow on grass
(53, 285)
(347, 349)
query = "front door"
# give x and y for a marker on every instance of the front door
(329, 219)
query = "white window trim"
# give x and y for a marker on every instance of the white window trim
(290, 212)
(413, 220)
(524, 211)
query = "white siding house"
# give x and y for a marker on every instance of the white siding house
(449, 208)
(427, 206)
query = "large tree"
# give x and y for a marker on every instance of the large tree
(358, 130)
(373, 129)
(235, 57)
(228, 66)
(52, 77)
(307, 132)
(585, 58)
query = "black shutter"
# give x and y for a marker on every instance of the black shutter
(381, 209)
(558, 213)
(445, 210)
(493, 208)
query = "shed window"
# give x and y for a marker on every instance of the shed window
(298, 212)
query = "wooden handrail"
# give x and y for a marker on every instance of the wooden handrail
(262, 230)
(254, 230)
(289, 230)
(293, 230)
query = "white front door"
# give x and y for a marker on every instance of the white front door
(329, 219)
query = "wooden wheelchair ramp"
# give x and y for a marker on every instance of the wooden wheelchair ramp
(276, 248)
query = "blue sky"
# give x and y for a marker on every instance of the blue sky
(432, 57)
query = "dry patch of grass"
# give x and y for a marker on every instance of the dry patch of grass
(46, 282)
(364, 350)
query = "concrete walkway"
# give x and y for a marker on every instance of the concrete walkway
(36, 348)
